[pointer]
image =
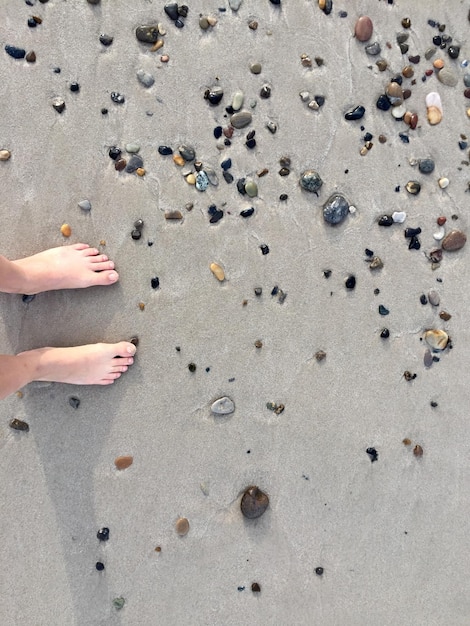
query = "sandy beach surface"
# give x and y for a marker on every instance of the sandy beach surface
(346, 539)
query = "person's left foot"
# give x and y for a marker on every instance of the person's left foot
(67, 267)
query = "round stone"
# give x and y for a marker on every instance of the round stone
(202, 181)
(254, 502)
(99, 566)
(436, 339)
(223, 406)
(103, 534)
(394, 93)
(182, 526)
(373, 49)
(187, 152)
(350, 282)
(145, 78)
(251, 189)
(447, 77)
(310, 180)
(363, 28)
(241, 119)
(413, 187)
(255, 68)
(132, 148)
(85, 205)
(123, 462)
(147, 33)
(443, 182)
(335, 209)
(5, 155)
(433, 297)
(66, 230)
(237, 100)
(454, 240)
(426, 166)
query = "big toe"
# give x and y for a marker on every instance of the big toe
(124, 348)
(105, 277)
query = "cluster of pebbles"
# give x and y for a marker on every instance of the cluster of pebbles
(441, 62)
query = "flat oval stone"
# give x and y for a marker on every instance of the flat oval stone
(134, 163)
(132, 148)
(146, 79)
(223, 406)
(211, 176)
(335, 209)
(147, 33)
(433, 297)
(5, 155)
(17, 424)
(426, 166)
(182, 526)
(254, 503)
(251, 189)
(123, 462)
(447, 77)
(187, 152)
(363, 28)
(373, 49)
(237, 100)
(85, 205)
(165, 150)
(454, 240)
(394, 93)
(241, 119)
(310, 180)
(202, 181)
(428, 360)
(218, 271)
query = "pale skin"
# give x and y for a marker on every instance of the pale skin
(68, 267)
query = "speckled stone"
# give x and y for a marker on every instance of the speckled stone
(147, 33)
(335, 209)
(426, 166)
(202, 181)
(310, 181)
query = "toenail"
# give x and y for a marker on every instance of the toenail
(113, 276)
(131, 349)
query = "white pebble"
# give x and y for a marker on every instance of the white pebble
(352, 209)
(399, 111)
(313, 105)
(439, 234)
(304, 96)
(433, 99)
(399, 217)
(443, 182)
(223, 406)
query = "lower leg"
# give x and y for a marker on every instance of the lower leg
(95, 364)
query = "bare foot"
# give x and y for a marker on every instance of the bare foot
(67, 267)
(94, 364)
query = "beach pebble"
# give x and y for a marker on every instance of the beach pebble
(66, 230)
(118, 603)
(241, 119)
(223, 406)
(398, 112)
(335, 209)
(454, 240)
(434, 108)
(147, 33)
(17, 424)
(145, 78)
(428, 360)
(237, 100)
(254, 502)
(394, 93)
(310, 180)
(373, 49)
(363, 28)
(234, 4)
(132, 148)
(433, 297)
(251, 188)
(439, 234)
(218, 271)
(5, 155)
(182, 526)
(413, 187)
(187, 152)
(58, 104)
(85, 205)
(103, 534)
(16, 53)
(443, 182)
(436, 339)
(447, 77)
(134, 163)
(355, 114)
(202, 181)
(123, 462)
(426, 166)
(214, 94)
(399, 217)
(106, 40)
(255, 68)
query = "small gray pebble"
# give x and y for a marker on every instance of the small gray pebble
(373, 49)
(85, 205)
(145, 78)
(426, 166)
(434, 298)
(310, 181)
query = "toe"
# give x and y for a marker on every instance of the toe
(104, 277)
(124, 348)
(90, 251)
(80, 246)
(99, 258)
(105, 265)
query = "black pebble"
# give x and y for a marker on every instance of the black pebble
(385, 220)
(179, 23)
(404, 138)
(17, 424)
(355, 114)
(383, 310)
(368, 252)
(106, 40)
(319, 571)
(134, 163)
(74, 87)
(103, 534)
(99, 566)
(227, 177)
(275, 290)
(74, 402)
(171, 10)
(412, 232)
(155, 282)
(57, 70)
(247, 212)
(383, 103)
(275, 2)
(385, 334)
(320, 100)
(258, 291)
(226, 164)
(104, 111)
(326, 273)
(32, 22)
(216, 216)
(136, 234)
(218, 132)
(265, 92)
(27, 299)
(16, 53)
(414, 244)
(255, 588)
(183, 10)
(264, 249)
(350, 282)
(374, 455)
(114, 153)
(117, 97)
(192, 367)
(434, 404)
(423, 299)
(453, 52)
(283, 197)
(251, 143)
(437, 40)
(241, 186)
(165, 150)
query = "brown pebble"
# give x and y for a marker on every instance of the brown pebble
(17, 424)
(157, 45)
(382, 138)
(413, 120)
(441, 220)
(120, 164)
(158, 549)
(406, 441)
(406, 94)
(408, 72)
(466, 93)
(141, 306)
(164, 58)
(254, 502)
(255, 588)
(173, 215)
(454, 240)
(382, 65)
(102, 242)
(320, 355)
(262, 172)
(123, 462)
(31, 57)
(406, 22)
(178, 160)
(182, 526)
(253, 25)
(140, 171)
(445, 316)
(19, 394)
(66, 230)
(418, 450)
(228, 132)
(258, 343)
(363, 28)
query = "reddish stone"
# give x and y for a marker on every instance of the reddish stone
(466, 93)
(429, 72)
(441, 220)
(413, 120)
(363, 28)
(454, 240)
